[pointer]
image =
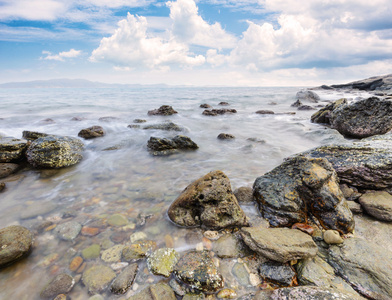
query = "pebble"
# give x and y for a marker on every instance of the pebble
(137, 236)
(124, 281)
(97, 278)
(75, 263)
(61, 297)
(119, 266)
(227, 294)
(61, 284)
(112, 254)
(89, 231)
(169, 242)
(332, 237)
(91, 252)
(211, 235)
(68, 231)
(117, 220)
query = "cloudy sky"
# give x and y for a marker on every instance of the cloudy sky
(205, 42)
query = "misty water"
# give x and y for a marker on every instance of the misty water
(128, 179)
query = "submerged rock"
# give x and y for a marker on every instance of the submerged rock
(125, 280)
(208, 202)
(363, 118)
(378, 204)
(164, 110)
(97, 278)
(311, 293)
(68, 231)
(15, 243)
(168, 126)
(162, 261)
(2, 186)
(55, 152)
(324, 115)
(197, 269)
(11, 149)
(158, 146)
(300, 187)
(279, 244)
(215, 112)
(309, 96)
(61, 284)
(366, 266)
(138, 250)
(92, 132)
(7, 169)
(154, 292)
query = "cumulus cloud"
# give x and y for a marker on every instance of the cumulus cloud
(131, 46)
(45, 10)
(62, 56)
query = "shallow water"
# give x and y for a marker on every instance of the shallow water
(129, 180)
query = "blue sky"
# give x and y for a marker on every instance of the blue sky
(210, 42)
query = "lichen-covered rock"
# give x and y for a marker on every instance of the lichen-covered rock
(33, 135)
(97, 278)
(279, 244)
(124, 280)
(162, 261)
(378, 204)
(92, 132)
(307, 95)
(366, 266)
(363, 118)
(165, 146)
(113, 254)
(208, 202)
(311, 293)
(164, 110)
(323, 115)
(61, 284)
(197, 269)
(215, 112)
(301, 186)
(15, 243)
(55, 151)
(11, 149)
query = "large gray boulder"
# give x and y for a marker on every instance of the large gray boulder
(208, 202)
(165, 146)
(11, 149)
(55, 151)
(363, 118)
(366, 266)
(300, 187)
(308, 96)
(279, 244)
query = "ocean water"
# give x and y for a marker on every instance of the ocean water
(129, 180)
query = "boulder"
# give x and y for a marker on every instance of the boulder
(378, 204)
(208, 202)
(308, 96)
(164, 110)
(368, 84)
(215, 112)
(366, 266)
(92, 132)
(224, 103)
(311, 293)
(363, 118)
(324, 114)
(366, 164)
(297, 103)
(165, 146)
(11, 149)
(197, 269)
(7, 169)
(55, 152)
(15, 243)
(303, 187)
(279, 244)
(33, 135)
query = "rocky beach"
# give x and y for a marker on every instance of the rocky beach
(222, 194)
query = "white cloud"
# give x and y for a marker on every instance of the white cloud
(62, 55)
(119, 3)
(131, 46)
(46, 10)
(189, 26)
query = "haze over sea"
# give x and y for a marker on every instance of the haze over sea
(128, 179)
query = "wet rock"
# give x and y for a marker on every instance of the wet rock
(165, 146)
(168, 126)
(108, 119)
(118, 220)
(55, 152)
(241, 273)
(244, 194)
(355, 207)
(15, 243)
(366, 164)
(224, 103)
(225, 136)
(138, 250)
(61, 284)
(68, 231)
(194, 296)
(304, 228)
(228, 246)
(215, 112)
(33, 135)
(205, 105)
(208, 202)
(91, 252)
(7, 169)
(332, 237)
(11, 149)
(92, 132)
(279, 244)
(139, 121)
(323, 116)
(308, 96)
(368, 84)
(297, 103)
(227, 294)
(162, 261)
(300, 187)
(164, 110)
(2, 186)
(311, 293)
(276, 272)
(378, 204)
(199, 271)
(75, 263)
(349, 193)
(366, 266)
(363, 118)
(154, 292)
(97, 278)
(265, 112)
(124, 280)
(113, 254)
(305, 107)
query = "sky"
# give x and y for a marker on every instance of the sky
(190, 42)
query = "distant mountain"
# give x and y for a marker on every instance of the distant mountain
(70, 83)
(381, 83)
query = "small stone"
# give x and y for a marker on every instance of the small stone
(137, 236)
(224, 103)
(139, 121)
(303, 227)
(205, 105)
(225, 136)
(228, 246)
(138, 250)
(61, 284)
(162, 261)
(164, 110)
(91, 252)
(92, 132)
(75, 263)
(61, 297)
(112, 254)
(97, 278)
(124, 281)
(89, 231)
(117, 220)
(68, 231)
(332, 237)
(227, 294)
(177, 288)
(212, 235)
(119, 266)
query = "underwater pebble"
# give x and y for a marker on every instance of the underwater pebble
(227, 294)
(140, 235)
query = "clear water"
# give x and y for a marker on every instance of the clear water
(129, 180)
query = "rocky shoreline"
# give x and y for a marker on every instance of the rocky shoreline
(313, 239)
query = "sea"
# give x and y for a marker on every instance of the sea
(118, 175)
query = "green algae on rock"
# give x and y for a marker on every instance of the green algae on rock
(162, 261)
(97, 278)
(323, 115)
